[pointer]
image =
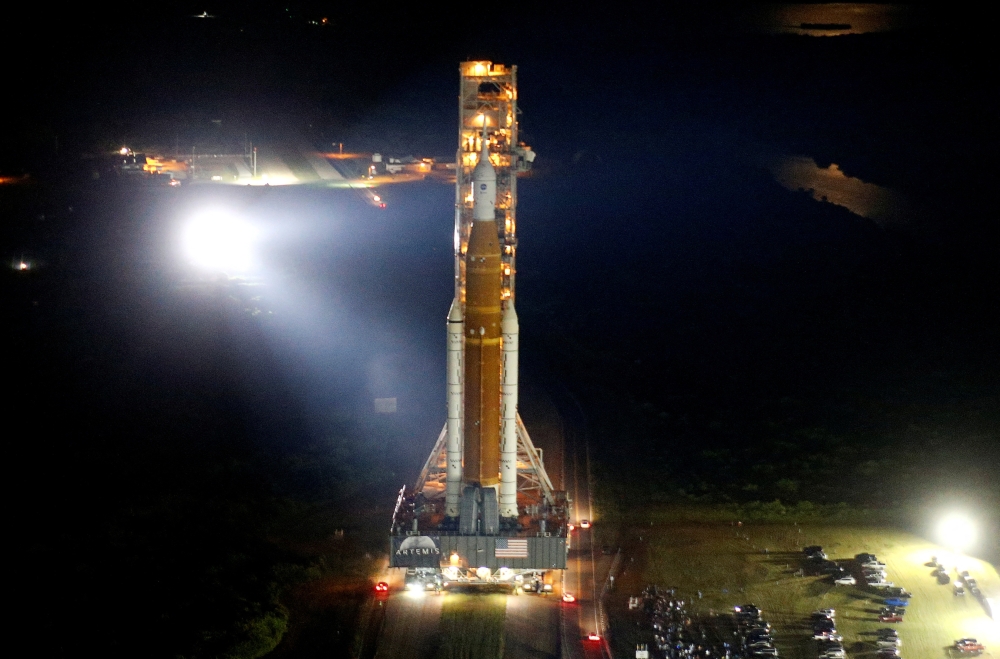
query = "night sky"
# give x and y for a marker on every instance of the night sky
(732, 339)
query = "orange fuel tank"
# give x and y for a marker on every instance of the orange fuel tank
(482, 356)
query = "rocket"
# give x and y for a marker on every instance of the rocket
(481, 431)
(482, 332)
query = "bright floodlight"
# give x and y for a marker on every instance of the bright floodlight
(216, 240)
(957, 531)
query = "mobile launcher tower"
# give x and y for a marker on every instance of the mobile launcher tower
(483, 510)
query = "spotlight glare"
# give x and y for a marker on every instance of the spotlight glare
(957, 531)
(215, 240)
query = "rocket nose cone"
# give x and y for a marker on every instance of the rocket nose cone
(508, 322)
(455, 313)
(484, 172)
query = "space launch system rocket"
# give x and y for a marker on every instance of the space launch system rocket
(483, 510)
(482, 377)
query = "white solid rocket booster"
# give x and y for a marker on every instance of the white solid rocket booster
(508, 409)
(453, 488)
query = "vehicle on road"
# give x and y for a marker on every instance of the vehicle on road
(584, 523)
(594, 637)
(568, 598)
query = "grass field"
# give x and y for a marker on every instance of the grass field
(728, 564)
(472, 626)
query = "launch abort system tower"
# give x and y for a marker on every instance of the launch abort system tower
(483, 509)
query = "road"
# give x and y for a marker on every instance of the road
(410, 627)
(581, 617)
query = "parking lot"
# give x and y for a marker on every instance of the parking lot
(765, 565)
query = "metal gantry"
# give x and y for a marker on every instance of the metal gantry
(488, 98)
(533, 482)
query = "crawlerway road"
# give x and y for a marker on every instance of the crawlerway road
(582, 617)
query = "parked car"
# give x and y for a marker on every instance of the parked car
(959, 589)
(887, 653)
(969, 646)
(845, 581)
(863, 558)
(887, 632)
(890, 617)
(826, 613)
(896, 601)
(899, 592)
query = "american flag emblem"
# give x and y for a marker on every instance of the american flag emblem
(512, 548)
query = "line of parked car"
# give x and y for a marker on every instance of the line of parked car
(830, 643)
(754, 632)
(887, 643)
(873, 573)
(964, 582)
